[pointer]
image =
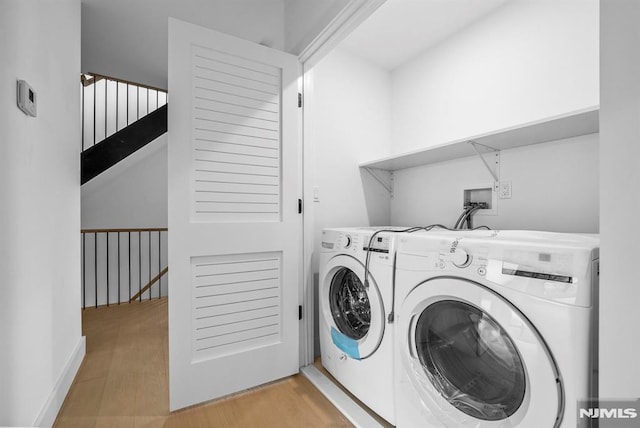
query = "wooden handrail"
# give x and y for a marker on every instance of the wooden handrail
(89, 81)
(148, 229)
(97, 77)
(148, 286)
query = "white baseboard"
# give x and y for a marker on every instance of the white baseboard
(49, 411)
(349, 408)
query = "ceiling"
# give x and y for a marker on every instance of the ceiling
(127, 39)
(401, 29)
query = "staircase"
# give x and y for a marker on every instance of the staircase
(118, 118)
(123, 265)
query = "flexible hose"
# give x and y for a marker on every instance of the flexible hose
(467, 217)
(460, 220)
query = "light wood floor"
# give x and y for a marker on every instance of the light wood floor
(123, 382)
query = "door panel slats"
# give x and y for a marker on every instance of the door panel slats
(231, 142)
(220, 127)
(236, 303)
(237, 65)
(221, 99)
(220, 68)
(235, 138)
(238, 116)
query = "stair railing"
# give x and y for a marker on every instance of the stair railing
(110, 104)
(123, 265)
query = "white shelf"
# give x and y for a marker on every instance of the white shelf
(572, 124)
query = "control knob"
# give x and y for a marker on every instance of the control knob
(347, 242)
(460, 258)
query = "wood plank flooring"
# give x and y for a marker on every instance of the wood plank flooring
(123, 382)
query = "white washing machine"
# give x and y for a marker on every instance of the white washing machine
(495, 328)
(356, 340)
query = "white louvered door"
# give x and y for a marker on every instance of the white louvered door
(235, 233)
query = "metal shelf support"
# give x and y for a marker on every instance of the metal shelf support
(495, 160)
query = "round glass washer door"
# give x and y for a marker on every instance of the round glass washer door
(471, 360)
(355, 311)
(474, 360)
(349, 304)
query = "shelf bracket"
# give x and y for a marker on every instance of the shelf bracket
(495, 160)
(385, 181)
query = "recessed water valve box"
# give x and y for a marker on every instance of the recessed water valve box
(478, 196)
(26, 98)
(481, 195)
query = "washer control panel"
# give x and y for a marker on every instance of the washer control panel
(339, 240)
(544, 269)
(447, 254)
(380, 243)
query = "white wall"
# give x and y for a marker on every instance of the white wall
(131, 194)
(620, 175)
(40, 323)
(128, 39)
(554, 187)
(305, 19)
(346, 119)
(528, 60)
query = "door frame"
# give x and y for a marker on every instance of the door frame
(349, 18)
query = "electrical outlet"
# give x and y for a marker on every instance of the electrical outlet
(505, 190)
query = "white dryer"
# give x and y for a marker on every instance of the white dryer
(495, 328)
(356, 340)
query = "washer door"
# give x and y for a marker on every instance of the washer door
(475, 360)
(353, 314)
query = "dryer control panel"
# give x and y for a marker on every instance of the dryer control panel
(380, 244)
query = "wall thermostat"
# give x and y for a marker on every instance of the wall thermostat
(26, 98)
